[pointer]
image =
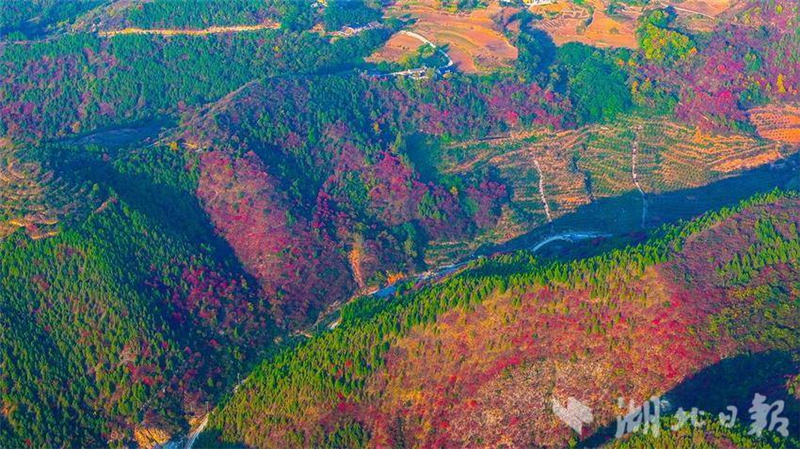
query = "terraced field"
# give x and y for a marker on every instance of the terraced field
(32, 197)
(671, 156)
(556, 177)
(474, 40)
(587, 176)
(589, 24)
(778, 123)
(710, 8)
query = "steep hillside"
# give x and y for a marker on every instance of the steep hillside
(190, 187)
(300, 194)
(30, 19)
(83, 82)
(616, 177)
(125, 321)
(35, 197)
(299, 267)
(477, 359)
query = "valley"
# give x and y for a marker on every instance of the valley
(350, 224)
(447, 339)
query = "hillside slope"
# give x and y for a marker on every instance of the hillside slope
(477, 359)
(129, 318)
(187, 185)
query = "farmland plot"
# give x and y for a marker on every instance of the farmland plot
(578, 168)
(781, 124)
(474, 40)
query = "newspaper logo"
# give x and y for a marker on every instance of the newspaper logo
(575, 414)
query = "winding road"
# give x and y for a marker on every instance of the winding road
(420, 72)
(569, 237)
(437, 273)
(424, 40)
(188, 441)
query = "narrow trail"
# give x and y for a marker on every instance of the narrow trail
(634, 157)
(541, 191)
(190, 32)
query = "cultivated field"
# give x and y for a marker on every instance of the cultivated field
(702, 15)
(587, 179)
(474, 40)
(710, 8)
(31, 197)
(477, 41)
(396, 48)
(590, 24)
(778, 123)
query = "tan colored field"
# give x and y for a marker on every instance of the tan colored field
(473, 40)
(566, 22)
(710, 8)
(700, 15)
(398, 46)
(612, 32)
(781, 124)
(671, 157)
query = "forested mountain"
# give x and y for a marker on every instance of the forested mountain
(24, 19)
(207, 207)
(477, 359)
(131, 78)
(122, 317)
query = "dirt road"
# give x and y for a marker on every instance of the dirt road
(192, 32)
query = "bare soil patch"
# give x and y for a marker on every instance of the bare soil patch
(474, 40)
(591, 24)
(566, 22)
(711, 8)
(398, 46)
